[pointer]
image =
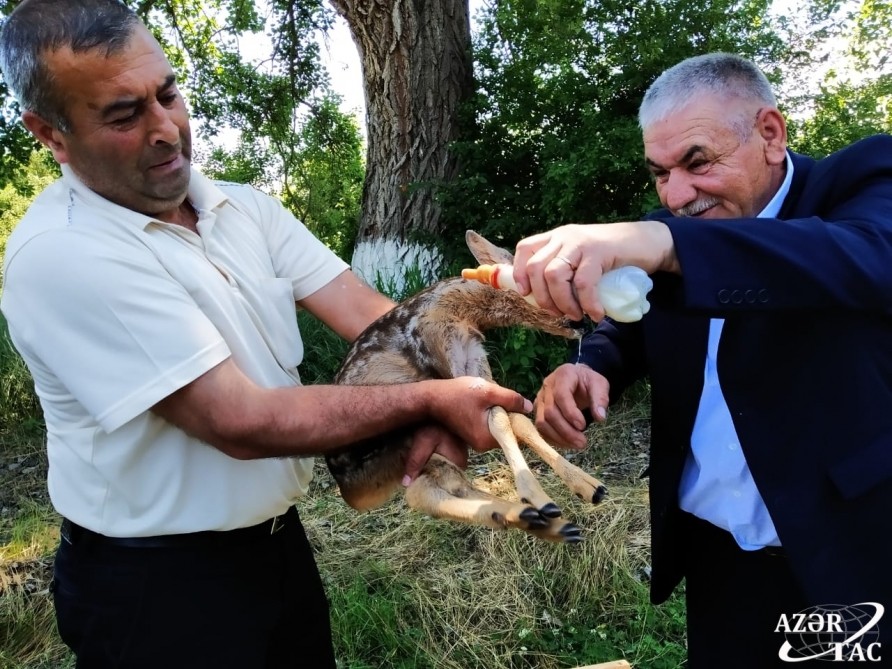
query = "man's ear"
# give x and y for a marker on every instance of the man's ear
(773, 128)
(47, 135)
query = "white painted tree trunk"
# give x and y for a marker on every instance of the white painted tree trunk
(417, 70)
(386, 263)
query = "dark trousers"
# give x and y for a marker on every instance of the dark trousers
(227, 600)
(734, 600)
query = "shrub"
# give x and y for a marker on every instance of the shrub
(19, 405)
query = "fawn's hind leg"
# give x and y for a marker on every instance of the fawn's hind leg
(500, 425)
(442, 491)
(585, 486)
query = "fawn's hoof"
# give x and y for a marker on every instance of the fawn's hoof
(533, 518)
(572, 534)
(599, 494)
(551, 510)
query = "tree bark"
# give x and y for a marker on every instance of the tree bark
(417, 70)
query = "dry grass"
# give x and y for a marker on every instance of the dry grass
(463, 597)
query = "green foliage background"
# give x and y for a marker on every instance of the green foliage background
(559, 84)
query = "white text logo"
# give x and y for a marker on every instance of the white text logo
(833, 633)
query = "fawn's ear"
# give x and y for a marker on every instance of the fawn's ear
(486, 252)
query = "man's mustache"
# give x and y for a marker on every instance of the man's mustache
(697, 207)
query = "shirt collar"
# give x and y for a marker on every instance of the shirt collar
(772, 209)
(203, 194)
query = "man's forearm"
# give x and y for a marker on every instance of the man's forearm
(315, 420)
(230, 412)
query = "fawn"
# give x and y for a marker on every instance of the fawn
(444, 325)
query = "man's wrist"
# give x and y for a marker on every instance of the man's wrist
(663, 240)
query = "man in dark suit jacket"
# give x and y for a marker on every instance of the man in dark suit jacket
(769, 353)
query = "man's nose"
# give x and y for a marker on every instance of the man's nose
(677, 191)
(162, 128)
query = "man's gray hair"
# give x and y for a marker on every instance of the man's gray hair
(723, 75)
(36, 27)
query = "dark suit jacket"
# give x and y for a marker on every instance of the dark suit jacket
(805, 364)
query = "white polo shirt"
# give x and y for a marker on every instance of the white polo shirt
(114, 310)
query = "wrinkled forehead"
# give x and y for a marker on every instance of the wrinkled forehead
(91, 76)
(705, 123)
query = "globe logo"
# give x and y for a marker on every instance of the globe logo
(832, 633)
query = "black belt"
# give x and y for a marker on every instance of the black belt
(75, 534)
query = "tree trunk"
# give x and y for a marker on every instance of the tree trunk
(417, 70)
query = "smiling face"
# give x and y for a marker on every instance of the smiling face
(130, 139)
(702, 167)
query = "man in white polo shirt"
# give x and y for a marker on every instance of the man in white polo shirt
(156, 312)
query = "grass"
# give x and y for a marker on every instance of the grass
(406, 591)
(28, 535)
(410, 591)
